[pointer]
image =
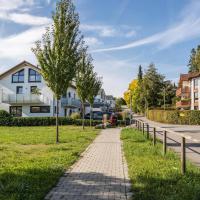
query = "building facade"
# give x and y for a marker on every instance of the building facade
(188, 92)
(23, 92)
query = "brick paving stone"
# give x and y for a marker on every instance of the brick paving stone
(101, 173)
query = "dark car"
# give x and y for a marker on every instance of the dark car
(96, 115)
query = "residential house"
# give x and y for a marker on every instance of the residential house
(23, 92)
(188, 92)
(183, 93)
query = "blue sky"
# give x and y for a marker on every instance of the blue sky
(121, 34)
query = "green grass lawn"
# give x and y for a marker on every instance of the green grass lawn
(30, 161)
(155, 177)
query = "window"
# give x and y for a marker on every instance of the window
(16, 111)
(40, 109)
(34, 76)
(69, 94)
(33, 89)
(19, 90)
(195, 83)
(18, 77)
(195, 95)
(74, 95)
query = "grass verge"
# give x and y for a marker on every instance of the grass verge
(30, 161)
(155, 177)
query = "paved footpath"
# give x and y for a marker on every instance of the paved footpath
(100, 174)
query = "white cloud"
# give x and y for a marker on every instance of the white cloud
(92, 41)
(26, 19)
(109, 31)
(188, 28)
(102, 30)
(19, 45)
(8, 5)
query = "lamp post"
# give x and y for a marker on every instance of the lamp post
(130, 106)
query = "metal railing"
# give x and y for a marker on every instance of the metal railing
(24, 99)
(144, 127)
(70, 102)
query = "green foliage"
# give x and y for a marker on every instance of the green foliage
(155, 177)
(153, 83)
(43, 121)
(5, 117)
(194, 62)
(75, 116)
(119, 102)
(31, 163)
(58, 52)
(190, 117)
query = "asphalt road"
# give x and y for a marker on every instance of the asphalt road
(191, 132)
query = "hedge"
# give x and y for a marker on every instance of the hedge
(48, 121)
(188, 117)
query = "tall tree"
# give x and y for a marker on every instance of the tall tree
(194, 62)
(152, 86)
(83, 79)
(58, 51)
(140, 73)
(95, 86)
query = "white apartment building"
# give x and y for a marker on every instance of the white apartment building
(23, 92)
(195, 91)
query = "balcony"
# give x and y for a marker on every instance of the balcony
(183, 92)
(71, 103)
(24, 99)
(183, 104)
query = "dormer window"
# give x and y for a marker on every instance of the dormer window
(34, 76)
(18, 77)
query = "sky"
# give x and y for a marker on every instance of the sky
(121, 35)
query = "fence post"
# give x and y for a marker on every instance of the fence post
(183, 156)
(140, 126)
(143, 128)
(154, 136)
(147, 131)
(164, 142)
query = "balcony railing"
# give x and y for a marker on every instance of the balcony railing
(70, 102)
(183, 104)
(24, 99)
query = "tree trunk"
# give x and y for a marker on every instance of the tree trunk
(90, 115)
(83, 115)
(57, 130)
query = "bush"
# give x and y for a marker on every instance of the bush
(75, 116)
(5, 117)
(190, 117)
(43, 121)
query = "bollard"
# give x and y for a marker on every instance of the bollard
(147, 131)
(154, 136)
(183, 156)
(164, 142)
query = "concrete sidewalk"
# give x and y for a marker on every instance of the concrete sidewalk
(101, 173)
(174, 141)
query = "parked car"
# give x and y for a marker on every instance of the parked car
(98, 115)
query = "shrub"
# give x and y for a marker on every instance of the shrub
(5, 117)
(43, 121)
(75, 116)
(190, 117)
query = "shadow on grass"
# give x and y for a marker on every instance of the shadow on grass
(177, 187)
(35, 184)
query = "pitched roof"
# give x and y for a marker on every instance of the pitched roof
(22, 64)
(194, 75)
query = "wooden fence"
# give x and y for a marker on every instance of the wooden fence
(145, 128)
